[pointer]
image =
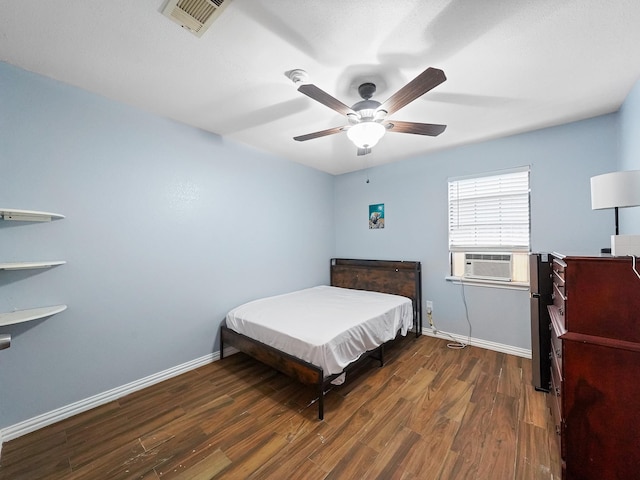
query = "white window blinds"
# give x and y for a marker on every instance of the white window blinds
(489, 212)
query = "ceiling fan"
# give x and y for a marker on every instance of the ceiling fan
(368, 118)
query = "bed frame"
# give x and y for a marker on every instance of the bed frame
(396, 277)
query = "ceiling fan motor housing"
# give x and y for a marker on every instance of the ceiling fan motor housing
(366, 109)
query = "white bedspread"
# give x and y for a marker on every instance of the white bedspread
(327, 326)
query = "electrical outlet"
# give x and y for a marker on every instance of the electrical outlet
(429, 306)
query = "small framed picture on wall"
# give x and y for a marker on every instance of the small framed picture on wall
(376, 216)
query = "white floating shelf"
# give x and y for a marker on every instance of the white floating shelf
(29, 265)
(28, 215)
(21, 316)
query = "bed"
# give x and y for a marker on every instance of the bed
(317, 335)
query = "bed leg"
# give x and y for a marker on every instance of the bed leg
(221, 346)
(321, 403)
(382, 355)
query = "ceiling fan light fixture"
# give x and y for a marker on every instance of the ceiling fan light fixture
(366, 134)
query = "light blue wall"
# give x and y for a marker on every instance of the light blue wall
(167, 227)
(414, 192)
(630, 154)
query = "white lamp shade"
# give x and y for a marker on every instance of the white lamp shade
(617, 189)
(366, 134)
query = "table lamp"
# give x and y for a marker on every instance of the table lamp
(618, 190)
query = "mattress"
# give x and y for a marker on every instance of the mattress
(329, 327)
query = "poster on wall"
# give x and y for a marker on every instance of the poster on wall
(376, 216)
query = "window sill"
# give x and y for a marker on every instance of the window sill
(476, 282)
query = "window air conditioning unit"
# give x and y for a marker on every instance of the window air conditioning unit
(488, 266)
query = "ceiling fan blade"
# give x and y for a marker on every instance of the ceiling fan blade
(430, 129)
(321, 133)
(430, 78)
(324, 98)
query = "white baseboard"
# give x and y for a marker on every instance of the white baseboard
(478, 342)
(49, 418)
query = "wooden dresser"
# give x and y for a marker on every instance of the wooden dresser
(595, 367)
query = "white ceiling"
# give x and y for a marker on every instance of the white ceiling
(511, 65)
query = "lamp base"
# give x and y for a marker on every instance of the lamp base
(622, 245)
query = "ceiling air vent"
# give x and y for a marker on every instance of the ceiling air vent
(194, 15)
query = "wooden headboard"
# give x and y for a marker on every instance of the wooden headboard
(386, 276)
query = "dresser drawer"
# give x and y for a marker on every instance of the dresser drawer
(556, 349)
(558, 268)
(559, 302)
(559, 296)
(558, 293)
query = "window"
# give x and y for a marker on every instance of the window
(489, 215)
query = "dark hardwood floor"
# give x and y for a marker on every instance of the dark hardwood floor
(430, 413)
